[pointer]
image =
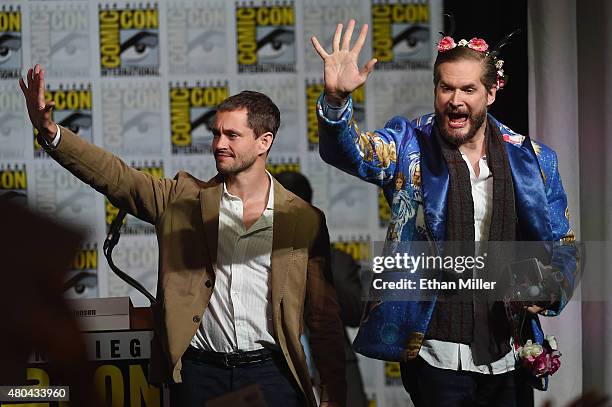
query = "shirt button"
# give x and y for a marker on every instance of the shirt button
(196, 319)
(208, 284)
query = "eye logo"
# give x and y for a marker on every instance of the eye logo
(192, 115)
(275, 45)
(73, 110)
(9, 123)
(400, 34)
(69, 44)
(206, 42)
(82, 279)
(197, 37)
(77, 122)
(10, 42)
(129, 41)
(60, 38)
(265, 37)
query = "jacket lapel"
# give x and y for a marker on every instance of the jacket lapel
(531, 208)
(210, 199)
(282, 241)
(434, 180)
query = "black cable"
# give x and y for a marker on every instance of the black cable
(109, 244)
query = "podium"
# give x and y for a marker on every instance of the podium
(118, 338)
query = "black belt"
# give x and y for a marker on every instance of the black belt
(233, 359)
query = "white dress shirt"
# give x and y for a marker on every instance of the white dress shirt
(239, 314)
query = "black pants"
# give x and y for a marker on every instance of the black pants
(429, 386)
(204, 381)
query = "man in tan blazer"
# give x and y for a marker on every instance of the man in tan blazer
(242, 261)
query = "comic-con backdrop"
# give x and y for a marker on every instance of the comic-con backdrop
(141, 79)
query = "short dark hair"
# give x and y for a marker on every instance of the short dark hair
(296, 183)
(262, 114)
(489, 72)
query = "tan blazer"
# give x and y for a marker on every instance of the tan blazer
(185, 212)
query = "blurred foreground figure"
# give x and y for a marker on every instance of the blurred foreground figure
(35, 254)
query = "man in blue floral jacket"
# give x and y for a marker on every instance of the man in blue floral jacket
(454, 175)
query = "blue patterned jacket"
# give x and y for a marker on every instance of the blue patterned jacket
(405, 162)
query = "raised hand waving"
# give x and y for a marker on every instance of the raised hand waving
(38, 109)
(341, 71)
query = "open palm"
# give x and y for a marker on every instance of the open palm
(341, 72)
(38, 109)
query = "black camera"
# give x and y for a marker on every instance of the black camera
(532, 283)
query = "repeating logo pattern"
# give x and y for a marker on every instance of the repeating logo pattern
(141, 79)
(129, 40)
(401, 34)
(265, 37)
(192, 114)
(73, 110)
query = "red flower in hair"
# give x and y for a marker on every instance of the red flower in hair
(446, 43)
(478, 44)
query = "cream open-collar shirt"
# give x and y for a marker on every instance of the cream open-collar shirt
(239, 314)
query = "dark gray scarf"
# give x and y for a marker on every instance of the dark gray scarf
(480, 323)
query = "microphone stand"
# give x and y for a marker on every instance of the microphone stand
(109, 244)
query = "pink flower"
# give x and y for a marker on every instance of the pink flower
(540, 365)
(446, 43)
(478, 44)
(501, 83)
(555, 362)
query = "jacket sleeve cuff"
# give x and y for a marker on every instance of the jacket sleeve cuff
(50, 146)
(334, 115)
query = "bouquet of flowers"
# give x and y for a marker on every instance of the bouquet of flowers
(540, 360)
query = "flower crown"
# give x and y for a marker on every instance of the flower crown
(477, 44)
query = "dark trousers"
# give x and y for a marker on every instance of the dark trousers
(205, 381)
(429, 386)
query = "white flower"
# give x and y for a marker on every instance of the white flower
(552, 342)
(500, 73)
(462, 43)
(499, 63)
(530, 349)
